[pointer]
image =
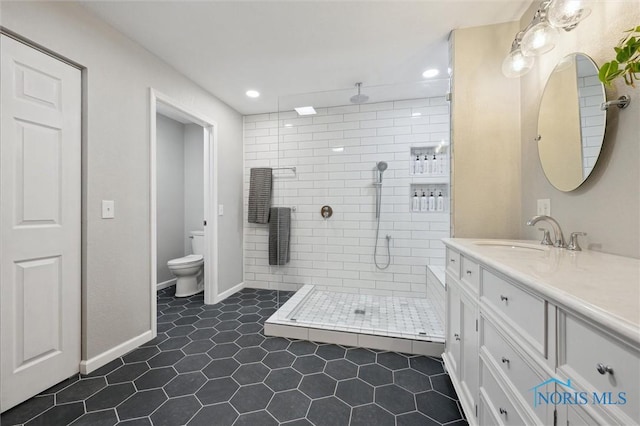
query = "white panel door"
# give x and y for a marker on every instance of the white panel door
(39, 222)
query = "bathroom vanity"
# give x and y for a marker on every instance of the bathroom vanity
(542, 336)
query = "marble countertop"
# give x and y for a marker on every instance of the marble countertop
(603, 287)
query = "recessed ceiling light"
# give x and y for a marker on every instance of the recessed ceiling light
(308, 110)
(253, 93)
(430, 73)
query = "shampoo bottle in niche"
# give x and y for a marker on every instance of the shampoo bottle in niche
(417, 165)
(440, 202)
(415, 203)
(423, 202)
(442, 163)
(434, 165)
(432, 202)
(426, 168)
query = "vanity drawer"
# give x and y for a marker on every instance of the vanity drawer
(518, 371)
(453, 263)
(582, 348)
(522, 311)
(497, 401)
(470, 273)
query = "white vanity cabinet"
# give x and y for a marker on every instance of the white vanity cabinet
(461, 350)
(520, 353)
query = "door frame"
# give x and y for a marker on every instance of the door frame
(210, 197)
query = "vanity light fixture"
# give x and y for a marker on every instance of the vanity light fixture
(252, 93)
(516, 63)
(540, 35)
(307, 110)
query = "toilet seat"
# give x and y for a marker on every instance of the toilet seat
(190, 260)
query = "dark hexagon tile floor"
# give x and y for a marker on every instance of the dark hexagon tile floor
(212, 365)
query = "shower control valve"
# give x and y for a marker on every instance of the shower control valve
(326, 212)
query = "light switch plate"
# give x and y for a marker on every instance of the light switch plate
(108, 209)
(220, 209)
(544, 206)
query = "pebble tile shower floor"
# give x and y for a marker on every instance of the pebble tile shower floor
(212, 365)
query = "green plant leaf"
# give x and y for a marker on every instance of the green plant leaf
(606, 70)
(627, 60)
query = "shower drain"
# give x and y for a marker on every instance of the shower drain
(359, 311)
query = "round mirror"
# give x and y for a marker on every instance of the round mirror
(570, 122)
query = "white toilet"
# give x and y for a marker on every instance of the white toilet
(187, 269)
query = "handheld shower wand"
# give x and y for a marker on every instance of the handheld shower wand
(381, 167)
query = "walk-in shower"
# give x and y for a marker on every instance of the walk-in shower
(374, 267)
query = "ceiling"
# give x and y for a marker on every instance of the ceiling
(283, 48)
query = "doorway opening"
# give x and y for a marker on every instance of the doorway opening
(183, 202)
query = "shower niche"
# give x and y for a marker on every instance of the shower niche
(429, 198)
(429, 161)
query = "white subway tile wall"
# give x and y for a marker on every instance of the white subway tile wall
(335, 153)
(591, 116)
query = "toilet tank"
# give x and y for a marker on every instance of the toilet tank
(197, 242)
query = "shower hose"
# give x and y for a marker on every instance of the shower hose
(375, 250)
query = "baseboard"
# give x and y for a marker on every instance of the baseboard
(166, 284)
(220, 297)
(92, 364)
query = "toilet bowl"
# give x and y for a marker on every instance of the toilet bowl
(188, 269)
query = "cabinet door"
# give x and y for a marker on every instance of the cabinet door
(453, 337)
(469, 368)
(569, 415)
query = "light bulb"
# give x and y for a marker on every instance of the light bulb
(539, 39)
(567, 13)
(516, 64)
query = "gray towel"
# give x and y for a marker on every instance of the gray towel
(279, 233)
(260, 195)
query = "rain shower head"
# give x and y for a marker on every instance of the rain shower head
(359, 98)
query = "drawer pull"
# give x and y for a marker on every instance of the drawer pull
(505, 360)
(468, 272)
(503, 411)
(503, 298)
(457, 336)
(603, 369)
(452, 260)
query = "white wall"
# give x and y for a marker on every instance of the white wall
(171, 194)
(193, 181)
(337, 254)
(116, 253)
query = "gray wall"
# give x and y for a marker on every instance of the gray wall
(607, 205)
(171, 194)
(116, 294)
(193, 181)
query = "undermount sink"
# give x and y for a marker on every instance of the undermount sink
(512, 245)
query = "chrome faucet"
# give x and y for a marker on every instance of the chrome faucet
(558, 238)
